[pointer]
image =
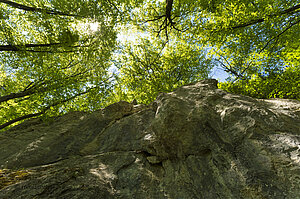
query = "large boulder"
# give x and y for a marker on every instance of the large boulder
(195, 142)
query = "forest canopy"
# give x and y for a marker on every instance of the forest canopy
(81, 55)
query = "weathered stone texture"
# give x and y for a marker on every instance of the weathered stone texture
(195, 142)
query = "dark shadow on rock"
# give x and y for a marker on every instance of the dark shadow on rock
(195, 142)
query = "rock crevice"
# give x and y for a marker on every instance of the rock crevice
(195, 142)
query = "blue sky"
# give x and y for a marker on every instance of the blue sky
(219, 74)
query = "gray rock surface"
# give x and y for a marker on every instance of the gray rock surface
(195, 142)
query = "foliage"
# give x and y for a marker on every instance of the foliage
(48, 61)
(277, 85)
(251, 37)
(246, 37)
(53, 62)
(151, 67)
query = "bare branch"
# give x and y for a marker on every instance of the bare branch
(167, 22)
(114, 6)
(293, 9)
(19, 47)
(28, 48)
(277, 36)
(36, 87)
(155, 19)
(33, 9)
(266, 45)
(2, 126)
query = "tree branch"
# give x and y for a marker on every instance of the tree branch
(33, 9)
(16, 95)
(255, 21)
(266, 45)
(169, 5)
(114, 6)
(277, 36)
(168, 20)
(2, 126)
(155, 19)
(19, 47)
(33, 88)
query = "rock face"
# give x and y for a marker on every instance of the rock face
(196, 142)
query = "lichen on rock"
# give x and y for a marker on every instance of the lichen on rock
(195, 142)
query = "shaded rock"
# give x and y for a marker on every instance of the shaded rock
(195, 142)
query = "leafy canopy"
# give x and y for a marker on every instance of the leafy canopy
(277, 85)
(53, 61)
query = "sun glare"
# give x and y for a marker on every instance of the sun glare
(94, 26)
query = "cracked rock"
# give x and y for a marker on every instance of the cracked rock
(195, 142)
